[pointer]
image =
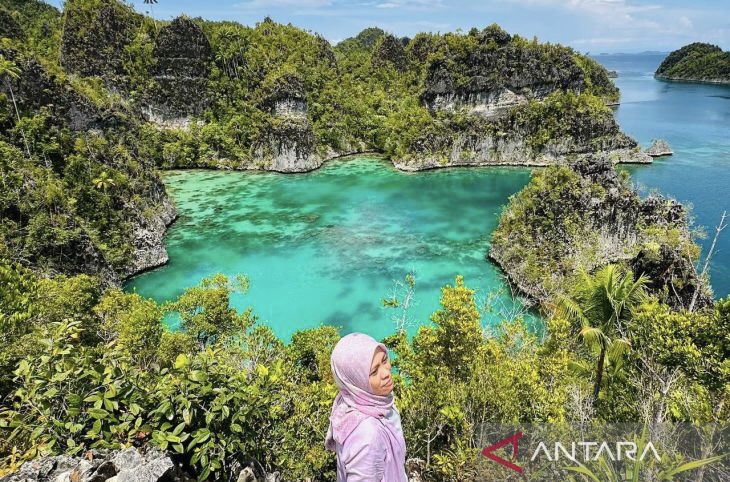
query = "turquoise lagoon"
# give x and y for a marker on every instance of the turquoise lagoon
(328, 246)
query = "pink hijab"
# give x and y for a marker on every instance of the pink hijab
(351, 360)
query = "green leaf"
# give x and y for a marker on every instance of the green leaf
(262, 371)
(204, 475)
(583, 470)
(179, 428)
(695, 464)
(198, 376)
(98, 413)
(181, 361)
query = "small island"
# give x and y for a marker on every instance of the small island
(696, 62)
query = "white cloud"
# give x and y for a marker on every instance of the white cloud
(264, 4)
(411, 4)
(685, 22)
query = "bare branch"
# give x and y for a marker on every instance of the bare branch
(703, 274)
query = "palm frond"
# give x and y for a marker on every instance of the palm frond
(593, 336)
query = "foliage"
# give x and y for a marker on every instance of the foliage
(696, 61)
(600, 307)
(647, 468)
(205, 313)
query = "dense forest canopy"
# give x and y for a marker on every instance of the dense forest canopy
(697, 61)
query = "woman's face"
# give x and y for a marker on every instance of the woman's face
(380, 380)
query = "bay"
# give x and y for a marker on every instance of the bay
(329, 245)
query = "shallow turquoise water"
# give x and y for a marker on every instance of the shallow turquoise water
(327, 246)
(695, 120)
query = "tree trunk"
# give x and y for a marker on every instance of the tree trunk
(17, 114)
(599, 375)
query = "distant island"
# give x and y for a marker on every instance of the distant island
(696, 62)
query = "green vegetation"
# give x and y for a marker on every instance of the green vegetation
(86, 369)
(574, 219)
(696, 62)
(367, 93)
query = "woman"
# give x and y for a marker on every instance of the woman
(365, 429)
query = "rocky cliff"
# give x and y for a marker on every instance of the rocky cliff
(581, 217)
(498, 99)
(495, 72)
(96, 35)
(182, 56)
(66, 113)
(561, 128)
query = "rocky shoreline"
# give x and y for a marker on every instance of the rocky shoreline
(692, 80)
(521, 159)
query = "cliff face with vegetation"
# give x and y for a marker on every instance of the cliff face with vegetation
(696, 62)
(78, 197)
(222, 95)
(570, 220)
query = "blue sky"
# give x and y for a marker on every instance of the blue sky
(587, 25)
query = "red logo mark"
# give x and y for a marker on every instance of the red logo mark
(512, 440)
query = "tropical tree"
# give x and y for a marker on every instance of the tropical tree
(103, 182)
(205, 311)
(152, 13)
(600, 306)
(8, 70)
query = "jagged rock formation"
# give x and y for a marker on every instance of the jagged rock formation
(499, 75)
(286, 97)
(183, 56)
(130, 465)
(579, 218)
(149, 232)
(95, 36)
(498, 99)
(287, 143)
(659, 147)
(145, 464)
(502, 72)
(38, 89)
(538, 134)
